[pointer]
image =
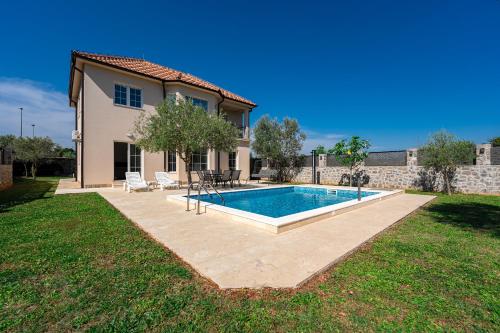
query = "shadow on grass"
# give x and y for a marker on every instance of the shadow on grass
(24, 191)
(475, 215)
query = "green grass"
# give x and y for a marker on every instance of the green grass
(72, 262)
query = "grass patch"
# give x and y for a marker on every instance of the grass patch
(72, 262)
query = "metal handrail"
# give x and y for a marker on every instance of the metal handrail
(202, 185)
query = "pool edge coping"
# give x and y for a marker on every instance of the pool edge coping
(292, 221)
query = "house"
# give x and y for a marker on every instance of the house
(108, 93)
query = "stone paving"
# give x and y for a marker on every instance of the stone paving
(234, 255)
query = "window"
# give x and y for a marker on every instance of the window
(128, 96)
(136, 98)
(172, 97)
(232, 160)
(199, 161)
(135, 158)
(171, 161)
(198, 102)
(120, 94)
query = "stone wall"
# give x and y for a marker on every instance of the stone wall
(480, 178)
(5, 176)
(468, 179)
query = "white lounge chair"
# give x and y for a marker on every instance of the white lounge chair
(133, 181)
(164, 181)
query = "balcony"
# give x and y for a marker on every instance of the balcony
(242, 132)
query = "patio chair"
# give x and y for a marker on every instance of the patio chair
(164, 181)
(226, 177)
(204, 177)
(265, 173)
(134, 182)
(235, 176)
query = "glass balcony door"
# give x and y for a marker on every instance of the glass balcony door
(127, 157)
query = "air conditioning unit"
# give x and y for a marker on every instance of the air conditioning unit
(76, 135)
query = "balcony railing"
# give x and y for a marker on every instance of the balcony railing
(242, 132)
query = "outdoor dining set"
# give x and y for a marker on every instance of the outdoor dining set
(215, 178)
(134, 181)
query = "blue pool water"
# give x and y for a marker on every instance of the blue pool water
(282, 201)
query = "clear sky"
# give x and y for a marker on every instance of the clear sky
(390, 71)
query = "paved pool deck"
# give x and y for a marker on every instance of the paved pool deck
(235, 255)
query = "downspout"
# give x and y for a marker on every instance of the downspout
(76, 142)
(218, 114)
(82, 159)
(164, 153)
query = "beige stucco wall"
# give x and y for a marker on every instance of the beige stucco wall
(106, 123)
(79, 144)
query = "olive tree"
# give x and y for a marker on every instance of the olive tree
(351, 153)
(33, 150)
(443, 153)
(185, 129)
(280, 144)
(320, 149)
(495, 142)
(7, 141)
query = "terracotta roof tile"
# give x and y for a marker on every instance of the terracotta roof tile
(156, 71)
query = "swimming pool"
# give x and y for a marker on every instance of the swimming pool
(279, 202)
(282, 208)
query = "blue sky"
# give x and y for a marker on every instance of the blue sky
(390, 71)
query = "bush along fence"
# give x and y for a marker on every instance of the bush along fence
(402, 169)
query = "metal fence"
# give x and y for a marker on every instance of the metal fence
(307, 160)
(381, 158)
(332, 161)
(386, 158)
(495, 155)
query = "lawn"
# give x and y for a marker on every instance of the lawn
(73, 262)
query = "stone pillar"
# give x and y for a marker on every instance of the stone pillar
(411, 158)
(321, 161)
(5, 176)
(483, 154)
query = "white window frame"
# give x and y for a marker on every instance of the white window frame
(191, 169)
(128, 159)
(114, 94)
(172, 94)
(187, 97)
(129, 95)
(128, 86)
(168, 163)
(235, 160)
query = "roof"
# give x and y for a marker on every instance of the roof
(159, 72)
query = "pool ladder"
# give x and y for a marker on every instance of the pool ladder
(205, 186)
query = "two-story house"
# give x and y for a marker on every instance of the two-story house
(109, 92)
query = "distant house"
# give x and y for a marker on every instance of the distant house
(109, 92)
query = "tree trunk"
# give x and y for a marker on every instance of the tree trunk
(446, 182)
(350, 176)
(187, 163)
(25, 169)
(33, 170)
